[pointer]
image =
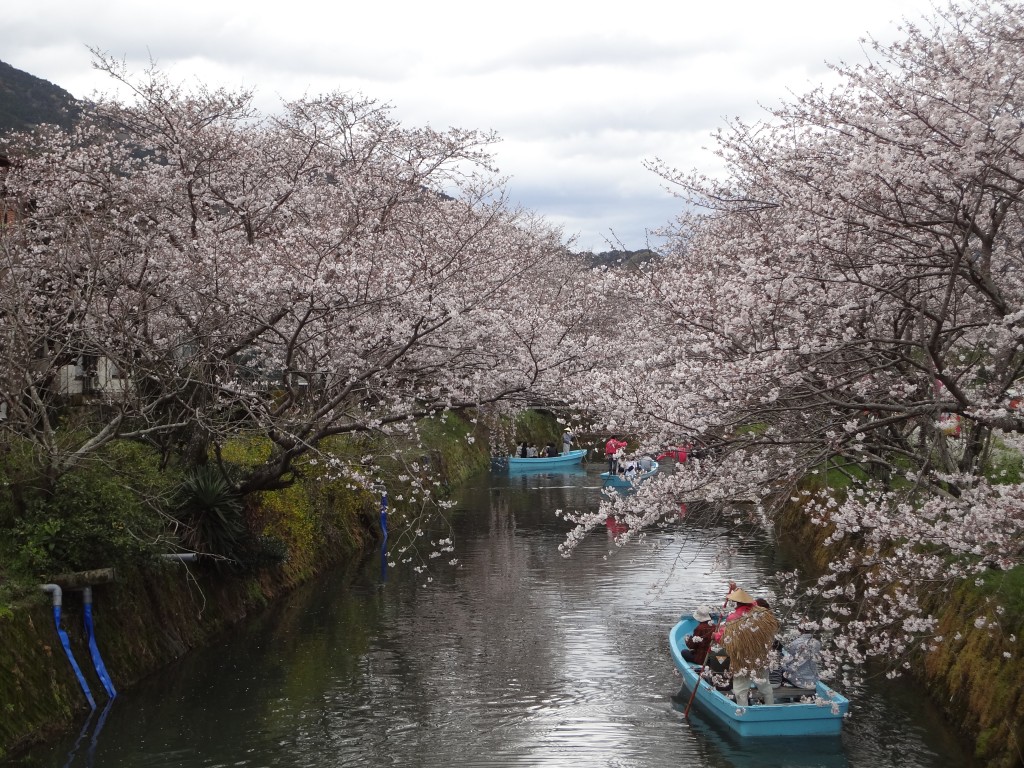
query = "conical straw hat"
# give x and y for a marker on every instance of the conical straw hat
(740, 596)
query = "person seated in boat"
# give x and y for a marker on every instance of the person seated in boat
(747, 635)
(699, 642)
(800, 658)
(549, 451)
(679, 453)
(628, 468)
(522, 452)
(716, 670)
(531, 451)
(646, 463)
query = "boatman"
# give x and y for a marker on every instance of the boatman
(611, 452)
(748, 634)
(566, 440)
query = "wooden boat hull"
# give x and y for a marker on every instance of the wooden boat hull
(614, 480)
(547, 463)
(822, 717)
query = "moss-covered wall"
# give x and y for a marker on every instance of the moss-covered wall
(149, 617)
(977, 673)
(144, 620)
(976, 676)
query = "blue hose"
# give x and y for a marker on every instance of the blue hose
(55, 591)
(97, 660)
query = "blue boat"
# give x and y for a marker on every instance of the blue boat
(547, 463)
(795, 713)
(616, 480)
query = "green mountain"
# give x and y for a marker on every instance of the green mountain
(26, 101)
(628, 259)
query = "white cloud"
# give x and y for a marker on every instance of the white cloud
(581, 94)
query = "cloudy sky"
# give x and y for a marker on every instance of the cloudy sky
(580, 93)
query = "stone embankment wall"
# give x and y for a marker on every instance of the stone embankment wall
(143, 620)
(976, 674)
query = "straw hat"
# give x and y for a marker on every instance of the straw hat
(701, 614)
(740, 596)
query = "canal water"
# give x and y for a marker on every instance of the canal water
(515, 657)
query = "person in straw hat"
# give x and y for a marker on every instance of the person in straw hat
(748, 634)
(699, 643)
(744, 603)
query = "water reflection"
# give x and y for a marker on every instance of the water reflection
(723, 747)
(517, 658)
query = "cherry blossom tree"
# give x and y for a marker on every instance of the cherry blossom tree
(316, 272)
(839, 321)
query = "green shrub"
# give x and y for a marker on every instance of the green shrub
(99, 515)
(210, 513)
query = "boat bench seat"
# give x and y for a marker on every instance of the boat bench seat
(787, 693)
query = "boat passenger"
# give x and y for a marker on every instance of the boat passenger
(522, 453)
(549, 451)
(646, 464)
(679, 453)
(800, 658)
(531, 451)
(699, 643)
(716, 670)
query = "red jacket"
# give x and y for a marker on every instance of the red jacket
(679, 453)
(612, 446)
(741, 609)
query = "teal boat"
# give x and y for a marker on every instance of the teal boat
(797, 712)
(546, 463)
(616, 480)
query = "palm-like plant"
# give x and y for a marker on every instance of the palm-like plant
(210, 512)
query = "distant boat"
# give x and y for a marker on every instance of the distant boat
(795, 712)
(546, 463)
(619, 480)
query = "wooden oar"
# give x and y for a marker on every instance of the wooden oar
(700, 672)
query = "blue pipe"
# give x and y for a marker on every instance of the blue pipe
(54, 590)
(90, 633)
